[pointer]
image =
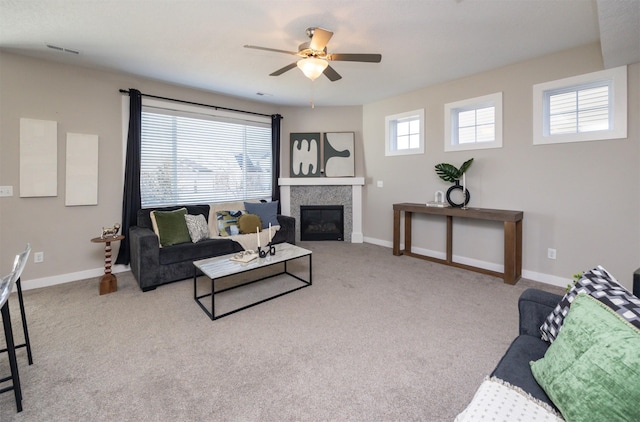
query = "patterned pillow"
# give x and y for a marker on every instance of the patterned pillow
(600, 284)
(198, 228)
(228, 222)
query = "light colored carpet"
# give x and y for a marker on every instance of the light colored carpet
(376, 337)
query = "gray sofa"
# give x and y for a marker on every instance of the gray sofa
(153, 266)
(534, 306)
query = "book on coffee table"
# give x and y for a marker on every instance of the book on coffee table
(244, 257)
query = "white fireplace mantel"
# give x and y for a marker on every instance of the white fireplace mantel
(356, 199)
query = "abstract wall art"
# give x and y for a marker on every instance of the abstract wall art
(305, 155)
(339, 154)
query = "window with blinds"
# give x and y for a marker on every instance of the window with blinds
(475, 123)
(193, 157)
(587, 107)
(578, 109)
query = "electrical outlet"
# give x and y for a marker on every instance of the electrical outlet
(38, 257)
(551, 253)
(380, 183)
(6, 190)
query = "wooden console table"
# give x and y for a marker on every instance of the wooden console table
(512, 236)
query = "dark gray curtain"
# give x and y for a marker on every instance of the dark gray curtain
(131, 196)
(275, 151)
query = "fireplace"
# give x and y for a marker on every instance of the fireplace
(321, 222)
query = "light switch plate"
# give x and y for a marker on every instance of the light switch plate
(6, 190)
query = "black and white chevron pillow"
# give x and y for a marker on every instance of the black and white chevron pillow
(600, 284)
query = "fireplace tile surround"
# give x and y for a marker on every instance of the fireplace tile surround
(345, 191)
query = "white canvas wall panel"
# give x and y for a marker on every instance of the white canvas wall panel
(38, 158)
(82, 170)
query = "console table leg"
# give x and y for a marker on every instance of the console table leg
(396, 233)
(512, 251)
(407, 231)
(449, 239)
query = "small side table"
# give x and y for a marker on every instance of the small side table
(108, 282)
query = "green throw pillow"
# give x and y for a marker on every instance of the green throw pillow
(591, 371)
(172, 227)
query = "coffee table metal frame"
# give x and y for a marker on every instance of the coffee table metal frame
(220, 267)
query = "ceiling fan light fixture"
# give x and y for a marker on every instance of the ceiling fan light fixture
(312, 67)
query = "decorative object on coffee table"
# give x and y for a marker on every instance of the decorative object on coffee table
(450, 173)
(108, 282)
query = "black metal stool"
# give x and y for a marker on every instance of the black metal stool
(6, 284)
(18, 266)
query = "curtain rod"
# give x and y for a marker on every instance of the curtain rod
(125, 91)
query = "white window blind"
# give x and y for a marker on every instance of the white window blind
(474, 123)
(579, 109)
(191, 158)
(588, 107)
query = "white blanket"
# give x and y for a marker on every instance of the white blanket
(250, 241)
(498, 401)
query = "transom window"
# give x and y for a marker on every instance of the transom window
(200, 155)
(578, 110)
(582, 108)
(405, 133)
(475, 123)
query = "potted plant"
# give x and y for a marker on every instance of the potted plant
(450, 173)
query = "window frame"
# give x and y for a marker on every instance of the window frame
(451, 112)
(616, 78)
(391, 141)
(217, 115)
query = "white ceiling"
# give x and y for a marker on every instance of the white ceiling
(199, 43)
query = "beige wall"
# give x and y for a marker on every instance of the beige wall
(82, 101)
(321, 119)
(579, 198)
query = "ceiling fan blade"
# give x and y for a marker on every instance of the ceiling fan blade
(255, 47)
(284, 69)
(331, 73)
(368, 58)
(320, 39)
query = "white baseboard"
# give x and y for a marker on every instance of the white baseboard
(356, 237)
(37, 283)
(530, 275)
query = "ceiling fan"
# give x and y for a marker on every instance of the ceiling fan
(315, 58)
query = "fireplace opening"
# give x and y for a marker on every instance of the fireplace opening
(321, 222)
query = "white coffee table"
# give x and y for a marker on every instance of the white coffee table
(219, 267)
